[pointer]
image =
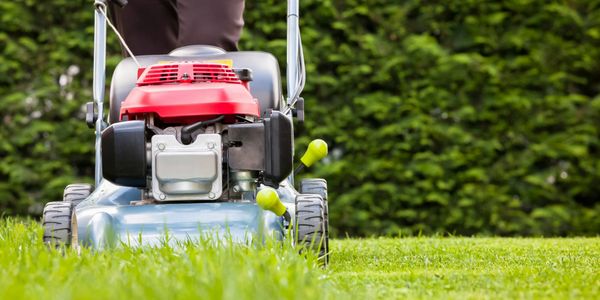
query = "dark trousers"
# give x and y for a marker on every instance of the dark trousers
(159, 26)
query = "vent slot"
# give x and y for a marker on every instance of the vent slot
(180, 72)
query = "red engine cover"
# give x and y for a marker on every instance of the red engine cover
(187, 92)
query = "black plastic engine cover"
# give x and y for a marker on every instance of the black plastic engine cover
(279, 148)
(266, 146)
(249, 155)
(124, 153)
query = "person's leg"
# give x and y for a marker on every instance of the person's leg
(148, 26)
(210, 22)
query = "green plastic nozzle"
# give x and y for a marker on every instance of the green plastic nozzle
(268, 199)
(317, 150)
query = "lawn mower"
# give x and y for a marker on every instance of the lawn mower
(197, 141)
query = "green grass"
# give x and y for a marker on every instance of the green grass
(383, 268)
(469, 268)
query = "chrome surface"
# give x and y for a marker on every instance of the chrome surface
(186, 172)
(98, 81)
(244, 181)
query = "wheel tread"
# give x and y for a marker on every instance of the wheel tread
(77, 192)
(57, 223)
(310, 224)
(318, 186)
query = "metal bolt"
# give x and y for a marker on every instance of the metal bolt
(162, 197)
(211, 145)
(211, 195)
(161, 147)
(236, 188)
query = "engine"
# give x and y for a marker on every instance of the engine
(192, 131)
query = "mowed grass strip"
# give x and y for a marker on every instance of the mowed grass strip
(468, 268)
(380, 268)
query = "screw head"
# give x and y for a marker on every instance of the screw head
(161, 147)
(211, 195)
(162, 196)
(211, 145)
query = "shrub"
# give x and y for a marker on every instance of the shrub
(463, 116)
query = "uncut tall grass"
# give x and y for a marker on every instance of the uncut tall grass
(200, 270)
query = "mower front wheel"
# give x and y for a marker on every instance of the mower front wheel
(310, 225)
(58, 223)
(318, 186)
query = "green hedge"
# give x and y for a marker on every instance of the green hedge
(460, 116)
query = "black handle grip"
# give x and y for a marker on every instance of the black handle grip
(120, 3)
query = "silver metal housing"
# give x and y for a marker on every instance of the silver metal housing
(186, 172)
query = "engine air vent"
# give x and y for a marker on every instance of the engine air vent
(187, 72)
(215, 73)
(159, 74)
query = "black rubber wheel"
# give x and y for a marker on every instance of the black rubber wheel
(310, 225)
(318, 186)
(77, 192)
(57, 221)
(314, 186)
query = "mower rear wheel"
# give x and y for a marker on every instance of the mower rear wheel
(57, 222)
(314, 186)
(310, 225)
(318, 186)
(77, 192)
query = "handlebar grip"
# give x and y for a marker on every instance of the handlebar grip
(120, 3)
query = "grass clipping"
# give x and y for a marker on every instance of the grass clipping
(201, 270)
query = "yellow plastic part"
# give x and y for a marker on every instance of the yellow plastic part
(268, 199)
(317, 150)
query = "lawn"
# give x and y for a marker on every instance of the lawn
(384, 268)
(469, 268)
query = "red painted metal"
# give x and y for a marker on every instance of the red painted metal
(189, 92)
